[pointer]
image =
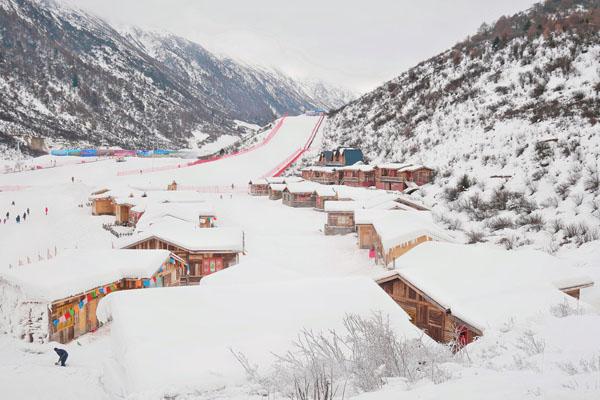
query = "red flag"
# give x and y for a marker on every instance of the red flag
(67, 315)
(89, 297)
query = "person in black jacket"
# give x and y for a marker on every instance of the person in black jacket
(62, 356)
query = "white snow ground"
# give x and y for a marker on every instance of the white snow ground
(281, 236)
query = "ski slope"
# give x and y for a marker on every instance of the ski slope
(237, 170)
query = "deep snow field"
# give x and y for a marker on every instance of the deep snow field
(499, 366)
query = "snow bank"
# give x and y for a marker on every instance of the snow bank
(179, 339)
(250, 272)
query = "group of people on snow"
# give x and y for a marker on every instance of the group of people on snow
(19, 217)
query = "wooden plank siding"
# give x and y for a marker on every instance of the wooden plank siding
(339, 222)
(194, 259)
(103, 207)
(367, 236)
(298, 200)
(435, 320)
(84, 319)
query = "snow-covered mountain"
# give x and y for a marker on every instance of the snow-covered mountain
(509, 118)
(71, 77)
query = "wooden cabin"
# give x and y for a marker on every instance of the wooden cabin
(483, 287)
(364, 220)
(205, 251)
(323, 194)
(299, 194)
(172, 186)
(400, 232)
(395, 176)
(322, 175)
(340, 217)
(358, 175)
(258, 187)
(418, 174)
(59, 296)
(276, 191)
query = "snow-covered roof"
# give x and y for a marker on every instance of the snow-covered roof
(275, 179)
(325, 190)
(393, 165)
(184, 335)
(292, 179)
(277, 187)
(302, 187)
(402, 227)
(414, 167)
(318, 168)
(76, 271)
(188, 212)
(341, 205)
(368, 216)
(484, 285)
(191, 237)
(359, 166)
(259, 182)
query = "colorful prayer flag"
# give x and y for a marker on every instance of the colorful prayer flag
(154, 279)
(101, 290)
(67, 315)
(62, 319)
(107, 289)
(72, 312)
(55, 322)
(81, 305)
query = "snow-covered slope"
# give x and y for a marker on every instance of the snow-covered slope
(73, 79)
(514, 108)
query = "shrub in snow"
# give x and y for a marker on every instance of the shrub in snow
(581, 233)
(533, 221)
(452, 224)
(499, 223)
(556, 225)
(475, 237)
(329, 365)
(565, 309)
(592, 180)
(529, 344)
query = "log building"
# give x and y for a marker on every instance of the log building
(56, 299)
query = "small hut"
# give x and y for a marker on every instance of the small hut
(172, 186)
(323, 194)
(205, 251)
(300, 194)
(340, 217)
(56, 299)
(455, 292)
(258, 187)
(276, 191)
(403, 231)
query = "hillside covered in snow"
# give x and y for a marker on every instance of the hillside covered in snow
(73, 79)
(508, 118)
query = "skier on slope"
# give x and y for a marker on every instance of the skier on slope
(62, 356)
(18, 219)
(46, 210)
(24, 216)
(27, 210)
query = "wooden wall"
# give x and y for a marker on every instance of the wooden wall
(367, 236)
(426, 314)
(84, 319)
(103, 207)
(298, 199)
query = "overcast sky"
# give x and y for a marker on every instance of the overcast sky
(355, 43)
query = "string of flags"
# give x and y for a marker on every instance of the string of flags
(106, 290)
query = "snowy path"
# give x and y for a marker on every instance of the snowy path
(237, 170)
